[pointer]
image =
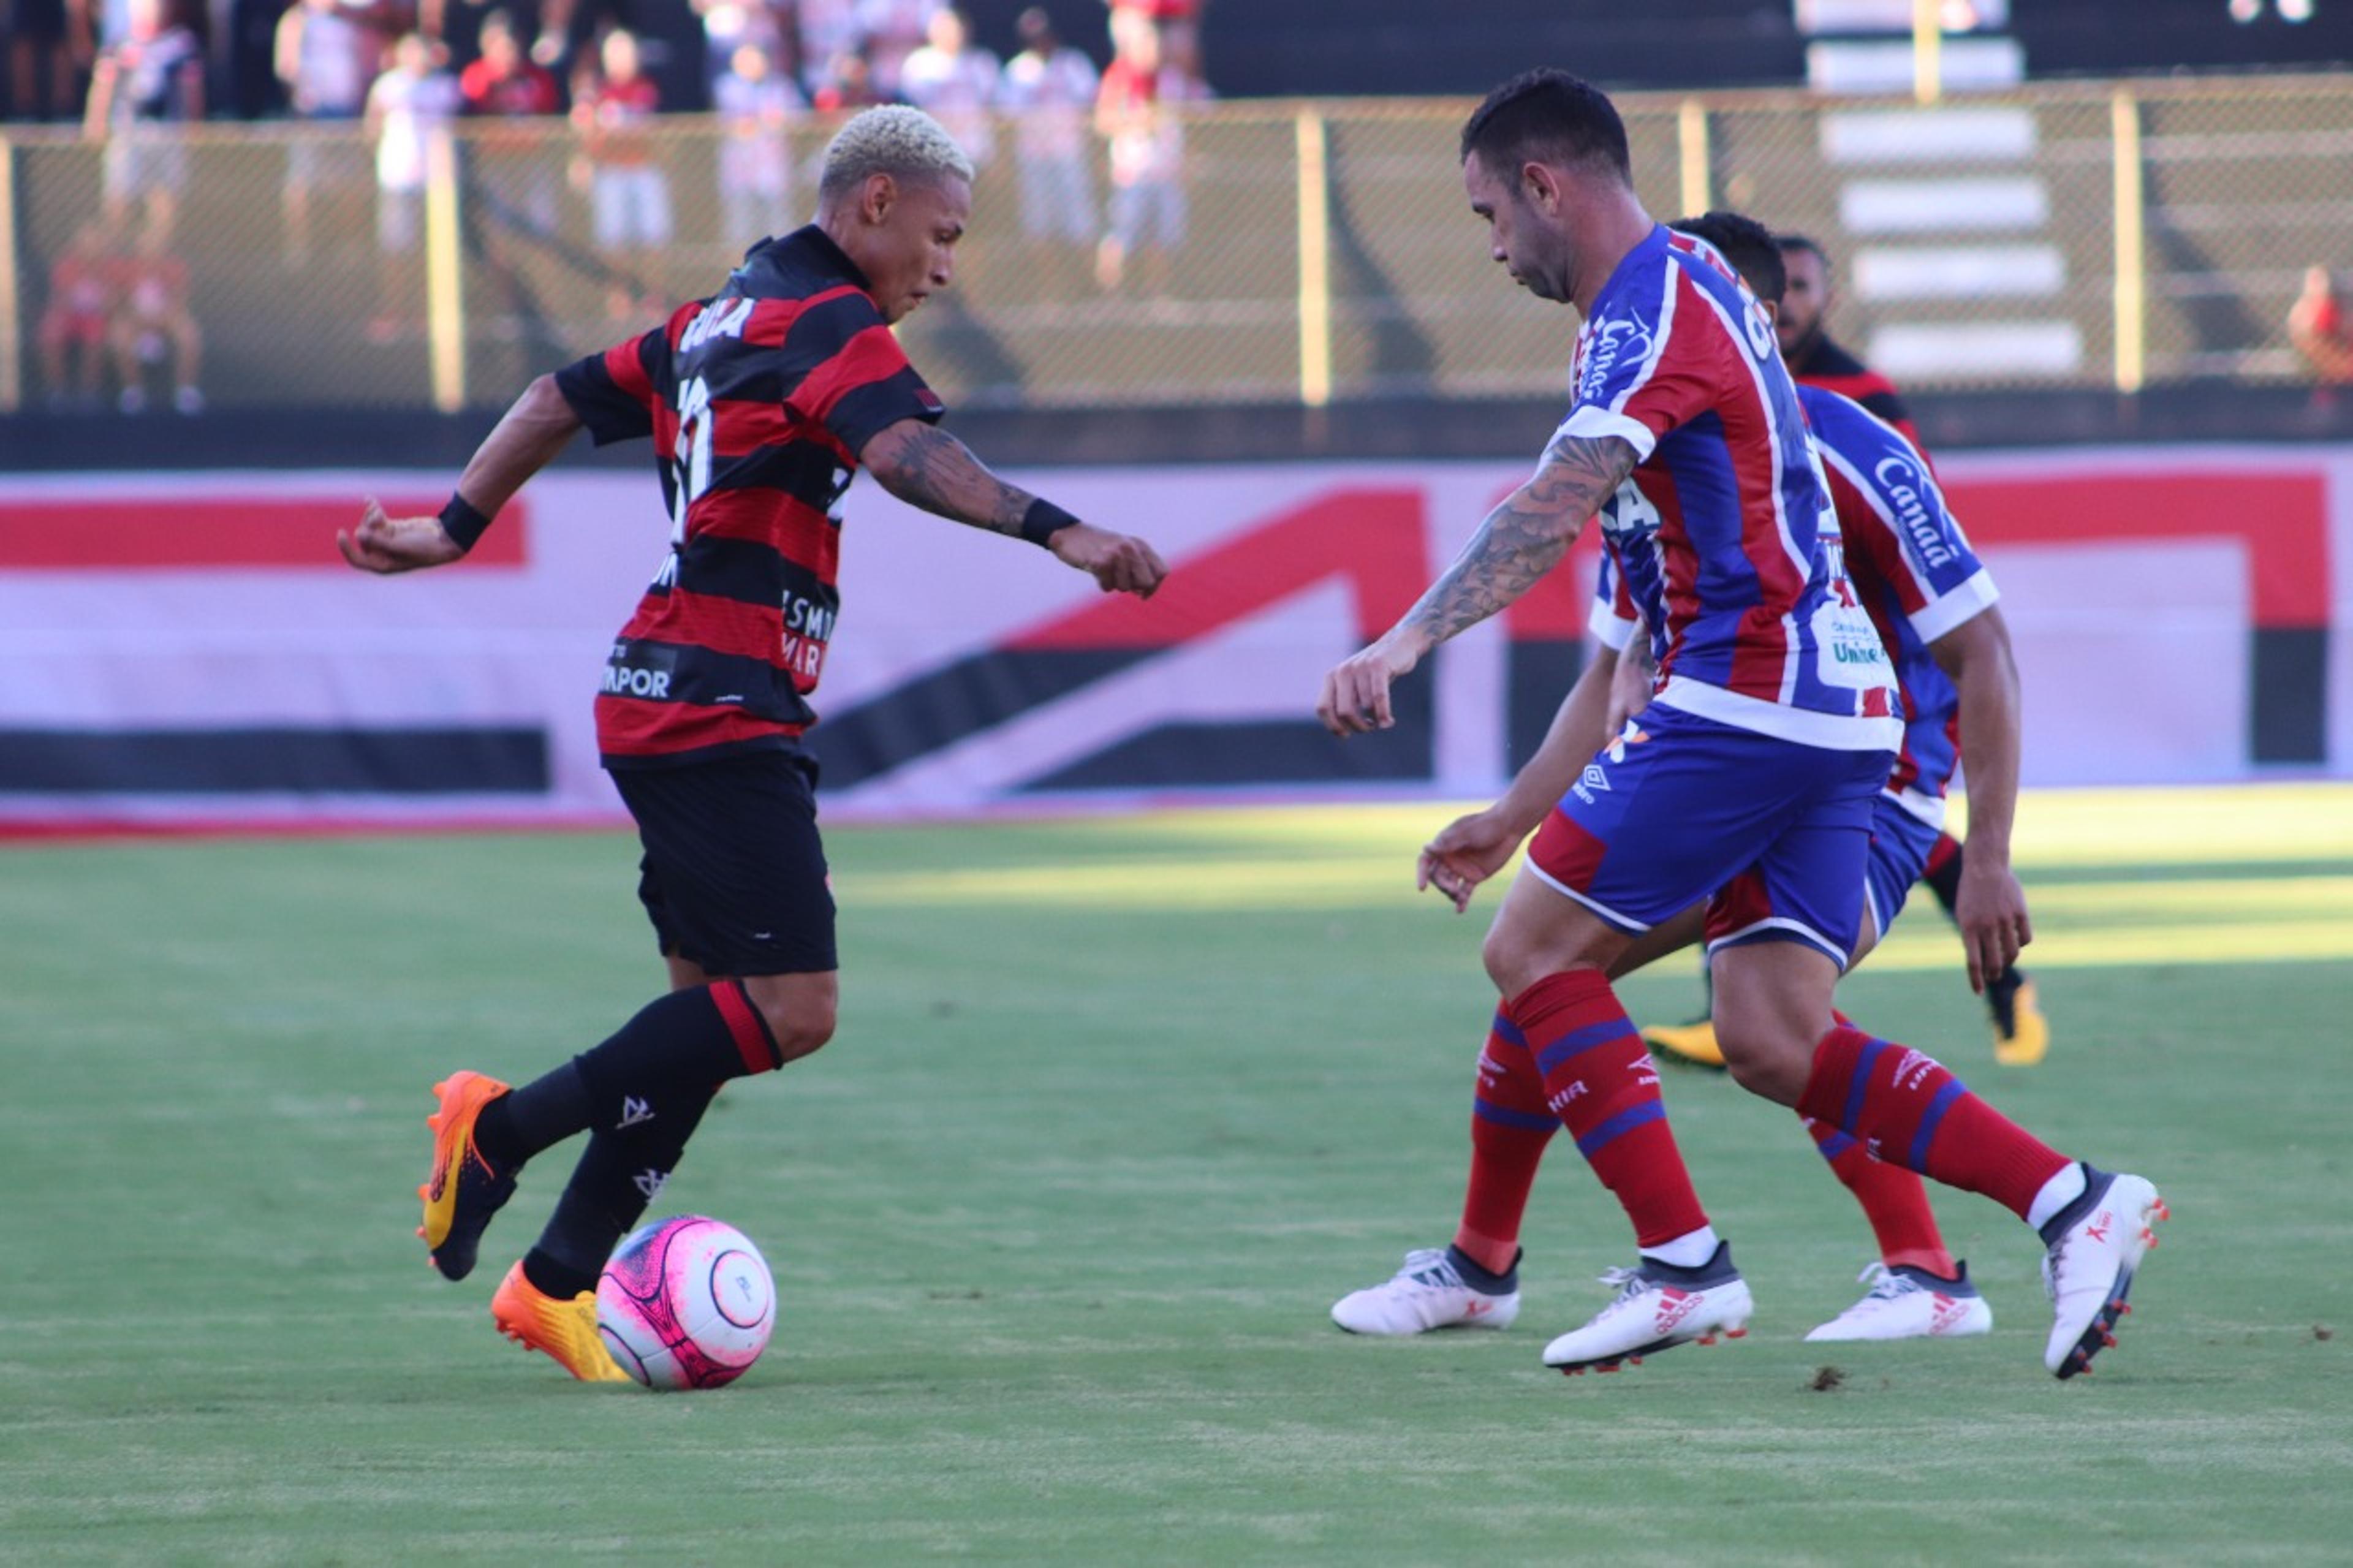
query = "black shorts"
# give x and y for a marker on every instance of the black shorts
(734, 876)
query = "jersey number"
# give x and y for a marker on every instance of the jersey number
(691, 473)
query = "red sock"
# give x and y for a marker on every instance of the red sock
(1894, 1200)
(1509, 1129)
(1940, 855)
(1599, 1080)
(1908, 1110)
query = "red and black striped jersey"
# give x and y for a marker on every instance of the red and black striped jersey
(759, 400)
(1833, 369)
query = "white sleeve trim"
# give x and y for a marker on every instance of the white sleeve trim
(1972, 598)
(1591, 421)
(1611, 629)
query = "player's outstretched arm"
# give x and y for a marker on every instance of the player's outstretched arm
(540, 425)
(1470, 849)
(1521, 539)
(924, 466)
(1992, 908)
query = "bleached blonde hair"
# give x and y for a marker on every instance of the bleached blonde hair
(903, 143)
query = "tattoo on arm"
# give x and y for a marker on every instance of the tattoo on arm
(1638, 652)
(1526, 535)
(926, 467)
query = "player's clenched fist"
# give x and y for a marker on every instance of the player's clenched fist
(386, 544)
(1119, 562)
(1356, 693)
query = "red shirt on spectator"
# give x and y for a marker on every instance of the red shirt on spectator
(524, 90)
(615, 114)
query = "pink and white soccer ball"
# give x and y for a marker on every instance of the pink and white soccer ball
(686, 1302)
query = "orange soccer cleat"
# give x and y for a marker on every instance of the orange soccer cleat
(564, 1330)
(463, 1192)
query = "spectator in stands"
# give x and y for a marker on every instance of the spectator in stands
(325, 55)
(757, 104)
(822, 29)
(954, 83)
(1179, 22)
(2315, 325)
(49, 42)
(513, 178)
(1049, 88)
(570, 33)
(457, 25)
(628, 191)
(890, 31)
(729, 25)
(79, 318)
(512, 171)
(1807, 347)
(408, 112)
(144, 87)
(1139, 111)
(153, 326)
(847, 85)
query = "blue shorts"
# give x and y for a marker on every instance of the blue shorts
(1774, 834)
(734, 877)
(1900, 846)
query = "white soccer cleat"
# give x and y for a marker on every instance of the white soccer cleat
(1658, 1308)
(1426, 1294)
(2096, 1244)
(1907, 1303)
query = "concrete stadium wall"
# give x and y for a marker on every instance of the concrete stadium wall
(187, 648)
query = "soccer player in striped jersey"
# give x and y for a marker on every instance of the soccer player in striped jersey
(762, 402)
(2022, 1034)
(1748, 781)
(1933, 605)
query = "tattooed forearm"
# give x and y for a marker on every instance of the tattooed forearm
(1526, 535)
(926, 467)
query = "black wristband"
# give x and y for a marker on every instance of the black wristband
(461, 522)
(1043, 520)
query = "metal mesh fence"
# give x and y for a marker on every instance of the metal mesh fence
(2086, 235)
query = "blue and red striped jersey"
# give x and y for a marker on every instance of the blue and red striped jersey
(1724, 534)
(1916, 573)
(759, 400)
(1911, 568)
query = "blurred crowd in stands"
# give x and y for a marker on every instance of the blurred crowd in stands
(583, 80)
(188, 59)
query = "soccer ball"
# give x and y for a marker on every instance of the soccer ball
(686, 1302)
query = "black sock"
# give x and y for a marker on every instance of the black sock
(1481, 1278)
(532, 1117)
(619, 1175)
(1946, 879)
(671, 1054)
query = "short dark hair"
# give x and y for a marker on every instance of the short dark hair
(1748, 244)
(1790, 242)
(1547, 116)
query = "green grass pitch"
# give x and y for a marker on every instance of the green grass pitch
(1117, 1109)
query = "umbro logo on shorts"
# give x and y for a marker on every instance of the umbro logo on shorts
(633, 1110)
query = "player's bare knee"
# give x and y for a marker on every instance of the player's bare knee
(801, 1030)
(798, 1010)
(1512, 964)
(1765, 1061)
